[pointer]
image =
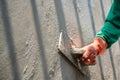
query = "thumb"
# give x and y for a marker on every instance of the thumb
(77, 50)
(86, 54)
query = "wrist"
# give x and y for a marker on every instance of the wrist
(100, 45)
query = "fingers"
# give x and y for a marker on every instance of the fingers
(90, 59)
(90, 62)
(89, 51)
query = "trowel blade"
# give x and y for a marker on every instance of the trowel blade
(64, 48)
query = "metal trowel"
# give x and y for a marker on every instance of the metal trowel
(64, 49)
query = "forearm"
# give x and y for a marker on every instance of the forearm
(111, 29)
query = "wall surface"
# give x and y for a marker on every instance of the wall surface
(29, 33)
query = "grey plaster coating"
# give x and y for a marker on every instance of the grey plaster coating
(29, 33)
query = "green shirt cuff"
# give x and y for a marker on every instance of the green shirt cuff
(109, 33)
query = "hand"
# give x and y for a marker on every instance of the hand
(89, 52)
(79, 53)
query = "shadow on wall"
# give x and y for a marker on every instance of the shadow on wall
(62, 27)
(78, 22)
(119, 43)
(111, 1)
(9, 39)
(85, 68)
(39, 39)
(110, 51)
(94, 31)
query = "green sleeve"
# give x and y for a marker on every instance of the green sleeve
(110, 32)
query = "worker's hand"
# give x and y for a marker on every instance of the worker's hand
(89, 52)
(80, 53)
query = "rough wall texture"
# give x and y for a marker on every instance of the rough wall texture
(29, 32)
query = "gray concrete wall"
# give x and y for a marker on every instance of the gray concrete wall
(29, 32)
